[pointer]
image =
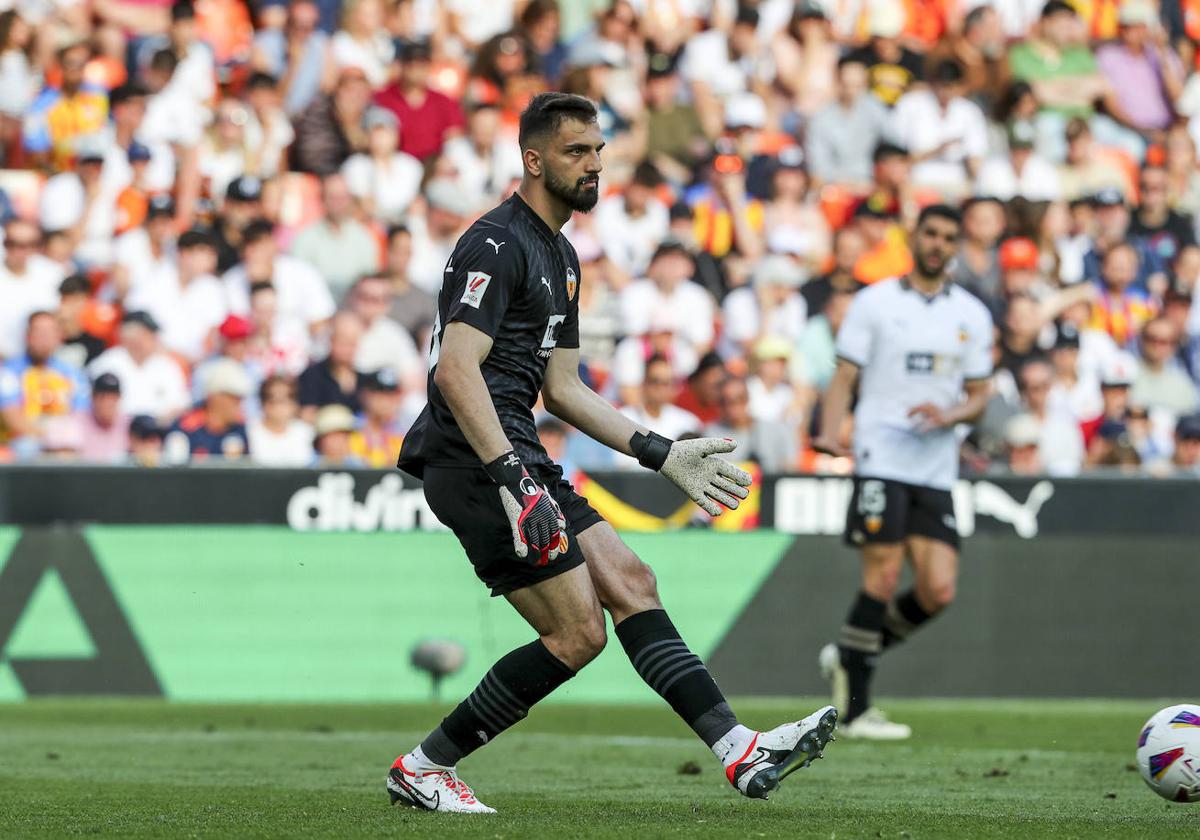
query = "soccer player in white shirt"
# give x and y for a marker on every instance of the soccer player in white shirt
(919, 348)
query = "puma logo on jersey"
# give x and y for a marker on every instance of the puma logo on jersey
(494, 244)
(477, 283)
(549, 289)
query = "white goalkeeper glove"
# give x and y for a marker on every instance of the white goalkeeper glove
(537, 521)
(694, 467)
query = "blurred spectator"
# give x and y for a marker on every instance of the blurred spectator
(848, 248)
(806, 58)
(943, 130)
(701, 394)
(555, 436)
(1023, 435)
(80, 347)
(981, 49)
(145, 254)
(330, 129)
(1116, 378)
(105, 429)
(145, 441)
(772, 396)
(333, 425)
(362, 41)
(893, 67)
(1186, 458)
(184, 296)
(717, 65)
(298, 53)
(843, 135)
(1145, 74)
(1113, 446)
(225, 152)
(541, 23)
(214, 430)
(668, 287)
(977, 268)
(675, 138)
(1160, 381)
(243, 204)
(233, 344)
(1121, 310)
(339, 246)
(411, 307)
(304, 301)
(334, 379)
(37, 385)
(376, 441)
(1020, 173)
(19, 78)
(1076, 389)
(434, 236)
(384, 343)
(28, 283)
(654, 409)
(769, 444)
(268, 130)
(279, 438)
(726, 219)
(632, 224)
(1161, 230)
(61, 115)
(793, 222)
(427, 118)
(272, 347)
(151, 381)
(1021, 330)
(1060, 443)
(77, 204)
(487, 158)
(1089, 168)
(385, 181)
(771, 307)
(816, 358)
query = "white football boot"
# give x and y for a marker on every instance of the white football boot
(830, 662)
(874, 725)
(433, 790)
(774, 755)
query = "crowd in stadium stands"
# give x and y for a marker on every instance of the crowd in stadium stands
(225, 223)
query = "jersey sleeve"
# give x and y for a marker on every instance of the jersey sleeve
(568, 336)
(977, 362)
(483, 276)
(856, 335)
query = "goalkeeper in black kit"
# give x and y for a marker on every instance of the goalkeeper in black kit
(507, 329)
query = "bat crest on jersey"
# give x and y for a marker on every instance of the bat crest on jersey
(477, 283)
(572, 284)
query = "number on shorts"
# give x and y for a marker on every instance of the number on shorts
(872, 498)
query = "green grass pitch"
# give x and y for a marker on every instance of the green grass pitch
(1014, 769)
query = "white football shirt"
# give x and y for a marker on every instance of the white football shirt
(911, 349)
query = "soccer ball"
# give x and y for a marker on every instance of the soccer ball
(1168, 753)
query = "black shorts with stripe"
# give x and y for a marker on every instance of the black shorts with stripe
(886, 511)
(468, 503)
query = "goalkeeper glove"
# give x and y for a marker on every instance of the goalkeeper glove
(535, 518)
(691, 465)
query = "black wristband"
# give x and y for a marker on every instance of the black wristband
(651, 450)
(506, 470)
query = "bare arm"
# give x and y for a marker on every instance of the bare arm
(968, 411)
(835, 406)
(567, 397)
(458, 377)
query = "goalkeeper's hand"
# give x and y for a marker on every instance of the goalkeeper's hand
(694, 467)
(535, 518)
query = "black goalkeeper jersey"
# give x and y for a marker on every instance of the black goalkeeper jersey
(511, 277)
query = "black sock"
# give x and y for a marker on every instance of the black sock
(503, 697)
(903, 616)
(663, 660)
(859, 645)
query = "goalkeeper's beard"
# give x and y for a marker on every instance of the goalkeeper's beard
(576, 196)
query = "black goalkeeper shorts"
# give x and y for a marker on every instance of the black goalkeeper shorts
(886, 511)
(468, 503)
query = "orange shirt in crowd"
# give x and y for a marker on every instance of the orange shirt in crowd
(890, 258)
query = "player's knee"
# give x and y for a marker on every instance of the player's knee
(939, 596)
(882, 582)
(580, 642)
(643, 581)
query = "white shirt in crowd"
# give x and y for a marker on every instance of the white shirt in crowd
(627, 240)
(1060, 444)
(910, 350)
(487, 177)
(429, 257)
(185, 314)
(481, 21)
(690, 306)
(22, 295)
(386, 344)
(706, 59)
(62, 205)
(1038, 180)
(671, 421)
(373, 57)
(156, 387)
(744, 321)
(770, 405)
(132, 252)
(920, 125)
(302, 295)
(292, 448)
(392, 186)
